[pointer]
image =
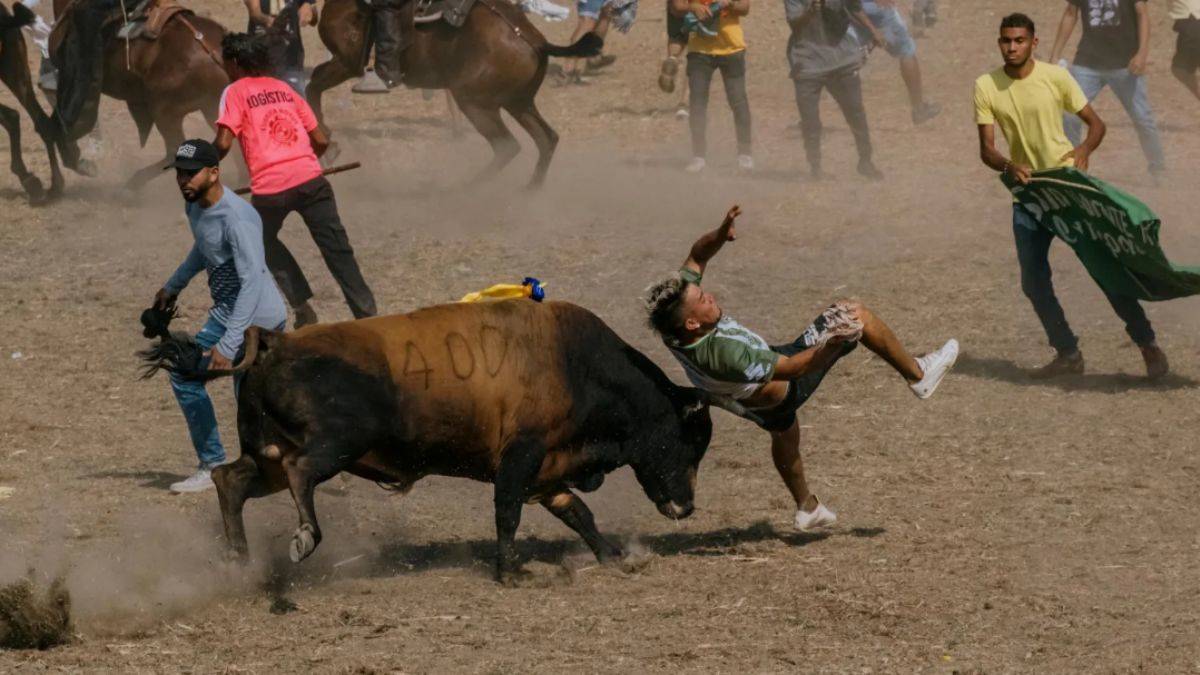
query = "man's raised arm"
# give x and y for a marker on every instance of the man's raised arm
(707, 245)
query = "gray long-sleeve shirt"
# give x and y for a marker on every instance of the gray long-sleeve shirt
(229, 245)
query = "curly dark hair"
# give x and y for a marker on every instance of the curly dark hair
(664, 306)
(251, 53)
(1018, 20)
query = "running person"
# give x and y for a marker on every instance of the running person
(1027, 98)
(1186, 15)
(229, 246)
(281, 142)
(724, 358)
(898, 41)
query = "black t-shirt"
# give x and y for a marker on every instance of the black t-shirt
(1110, 35)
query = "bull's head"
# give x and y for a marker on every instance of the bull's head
(80, 62)
(667, 469)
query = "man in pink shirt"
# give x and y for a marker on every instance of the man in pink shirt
(281, 142)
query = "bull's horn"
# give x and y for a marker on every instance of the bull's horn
(251, 342)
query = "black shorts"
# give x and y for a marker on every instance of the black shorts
(1187, 45)
(675, 31)
(782, 416)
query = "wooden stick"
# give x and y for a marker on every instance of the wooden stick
(327, 172)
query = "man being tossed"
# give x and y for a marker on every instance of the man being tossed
(726, 359)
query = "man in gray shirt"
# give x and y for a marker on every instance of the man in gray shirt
(825, 54)
(229, 246)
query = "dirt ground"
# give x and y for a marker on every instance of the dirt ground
(1002, 526)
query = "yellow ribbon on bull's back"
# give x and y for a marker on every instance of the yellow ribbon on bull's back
(530, 289)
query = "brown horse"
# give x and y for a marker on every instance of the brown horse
(495, 61)
(160, 80)
(14, 72)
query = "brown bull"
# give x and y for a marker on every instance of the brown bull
(535, 398)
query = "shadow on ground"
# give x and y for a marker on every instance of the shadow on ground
(1003, 370)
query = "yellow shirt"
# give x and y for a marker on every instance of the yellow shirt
(1182, 9)
(1030, 112)
(729, 38)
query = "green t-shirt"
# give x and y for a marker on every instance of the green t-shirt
(731, 360)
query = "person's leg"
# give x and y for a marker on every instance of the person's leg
(1137, 324)
(879, 338)
(808, 102)
(197, 407)
(785, 451)
(589, 15)
(1092, 82)
(733, 75)
(1033, 251)
(846, 89)
(273, 209)
(676, 43)
(320, 214)
(700, 69)
(1186, 60)
(1131, 91)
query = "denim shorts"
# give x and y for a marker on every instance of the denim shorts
(896, 39)
(590, 8)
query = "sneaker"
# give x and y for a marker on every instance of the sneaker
(1156, 362)
(370, 83)
(925, 112)
(696, 165)
(666, 74)
(935, 365)
(868, 170)
(745, 162)
(305, 315)
(598, 62)
(197, 482)
(806, 521)
(1063, 364)
(682, 114)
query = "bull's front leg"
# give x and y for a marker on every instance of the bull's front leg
(570, 509)
(519, 465)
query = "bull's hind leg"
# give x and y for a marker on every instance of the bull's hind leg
(487, 121)
(569, 508)
(544, 136)
(314, 464)
(520, 462)
(236, 482)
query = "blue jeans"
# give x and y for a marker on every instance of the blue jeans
(197, 406)
(1033, 254)
(1130, 90)
(897, 39)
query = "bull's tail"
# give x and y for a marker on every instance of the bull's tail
(588, 45)
(21, 16)
(179, 354)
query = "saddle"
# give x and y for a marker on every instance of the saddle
(149, 17)
(453, 12)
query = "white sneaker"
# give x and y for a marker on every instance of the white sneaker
(818, 517)
(745, 162)
(682, 114)
(197, 482)
(935, 365)
(696, 165)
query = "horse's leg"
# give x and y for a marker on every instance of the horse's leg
(11, 121)
(544, 136)
(487, 122)
(170, 125)
(325, 76)
(452, 112)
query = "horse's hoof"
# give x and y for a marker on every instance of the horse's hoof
(303, 543)
(86, 168)
(34, 188)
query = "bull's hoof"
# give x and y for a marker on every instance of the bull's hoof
(633, 564)
(303, 543)
(34, 189)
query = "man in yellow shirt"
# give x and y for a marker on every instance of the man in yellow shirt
(1027, 99)
(718, 44)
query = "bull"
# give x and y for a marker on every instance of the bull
(540, 399)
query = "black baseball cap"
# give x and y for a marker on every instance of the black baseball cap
(195, 154)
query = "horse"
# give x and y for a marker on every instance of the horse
(14, 72)
(161, 81)
(496, 60)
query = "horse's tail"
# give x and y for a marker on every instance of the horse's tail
(21, 16)
(588, 45)
(180, 355)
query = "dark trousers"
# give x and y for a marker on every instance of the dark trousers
(315, 203)
(700, 69)
(1033, 253)
(846, 89)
